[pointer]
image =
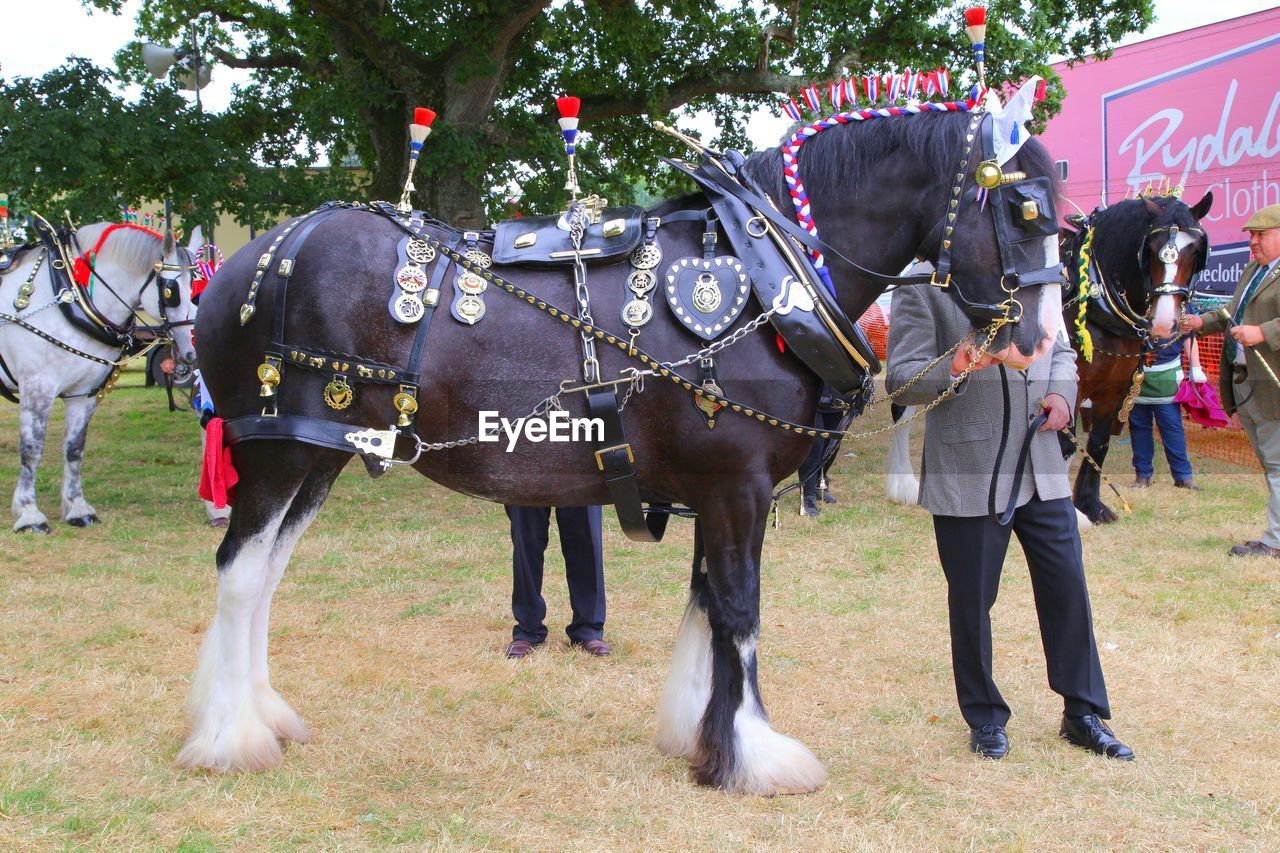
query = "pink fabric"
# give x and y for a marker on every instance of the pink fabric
(1201, 403)
(218, 476)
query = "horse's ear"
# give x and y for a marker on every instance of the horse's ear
(1153, 208)
(1202, 206)
(169, 243)
(197, 238)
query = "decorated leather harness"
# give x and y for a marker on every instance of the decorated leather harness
(71, 276)
(707, 294)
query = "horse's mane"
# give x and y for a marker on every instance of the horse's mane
(847, 156)
(134, 248)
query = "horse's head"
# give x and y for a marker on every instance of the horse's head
(1004, 255)
(1147, 251)
(170, 298)
(1172, 252)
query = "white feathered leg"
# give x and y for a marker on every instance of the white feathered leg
(900, 483)
(33, 422)
(768, 762)
(275, 711)
(228, 730)
(688, 687)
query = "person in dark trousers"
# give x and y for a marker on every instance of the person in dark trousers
(814, 487)
(960, 449)
(580, 543)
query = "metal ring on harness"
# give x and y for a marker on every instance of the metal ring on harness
(764, 226)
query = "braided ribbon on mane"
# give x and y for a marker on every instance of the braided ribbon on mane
(1082, 278)
(791, 151)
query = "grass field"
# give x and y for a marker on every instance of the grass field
(388, 637)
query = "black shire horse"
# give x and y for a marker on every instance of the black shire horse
(1144, 254)
(879, 189)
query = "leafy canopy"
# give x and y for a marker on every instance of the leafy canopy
(341, 77)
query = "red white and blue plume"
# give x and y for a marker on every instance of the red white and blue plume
(568, 107)
(419, 130)
(791, 109)
(851, 90)
(976, 27)
(835, 94)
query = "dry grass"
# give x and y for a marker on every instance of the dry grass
(388, 638)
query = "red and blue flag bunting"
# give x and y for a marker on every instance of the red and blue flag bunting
(871, 84)
(911, 85)
(812, 98)
(893, 86)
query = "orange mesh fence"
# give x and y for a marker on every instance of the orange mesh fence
(1229, 444)
(875, 326)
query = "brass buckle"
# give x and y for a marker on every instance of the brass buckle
(933, 280)
(631, 457)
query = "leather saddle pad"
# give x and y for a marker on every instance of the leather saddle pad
(539, 240)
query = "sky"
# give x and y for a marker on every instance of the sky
(99, 35)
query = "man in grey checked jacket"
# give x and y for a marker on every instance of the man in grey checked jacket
(962, 435)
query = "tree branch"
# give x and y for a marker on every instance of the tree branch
(271, 60)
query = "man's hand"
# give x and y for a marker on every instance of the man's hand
(966, 355)
(1250, 336)
(1055, 406)
(1191, 323)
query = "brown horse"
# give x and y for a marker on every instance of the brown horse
(711, 711)
(1142, 256)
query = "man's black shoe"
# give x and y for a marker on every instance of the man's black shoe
(809, 507)
(1091, 733)
(989, 742)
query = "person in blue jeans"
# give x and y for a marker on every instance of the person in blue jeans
(1154, 407)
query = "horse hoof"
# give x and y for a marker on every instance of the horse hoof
(219, 522)
(1104, 515)
(42, 528)
(83, 521)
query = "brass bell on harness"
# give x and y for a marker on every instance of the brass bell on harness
(269, 376)
(406, 405)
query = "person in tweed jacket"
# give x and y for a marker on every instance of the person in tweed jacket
(960, 448)
(1250, 365)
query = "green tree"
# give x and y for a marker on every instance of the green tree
(71, 141)
(344, 75)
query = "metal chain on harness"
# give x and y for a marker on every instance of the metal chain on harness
(577, 216)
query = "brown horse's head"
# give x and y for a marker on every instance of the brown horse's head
(1174, 250)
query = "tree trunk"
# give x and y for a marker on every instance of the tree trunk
(451, 198)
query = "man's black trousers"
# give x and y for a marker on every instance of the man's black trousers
(580, 543)
(972, 551)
